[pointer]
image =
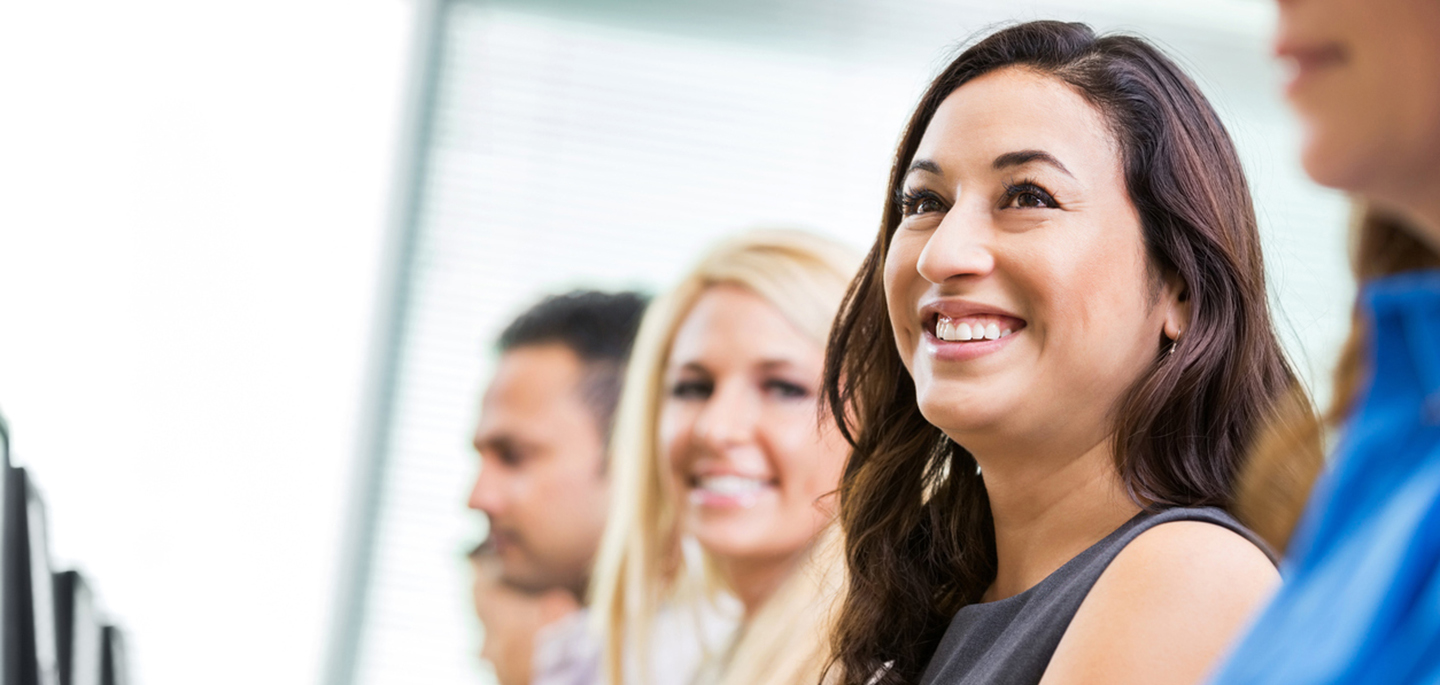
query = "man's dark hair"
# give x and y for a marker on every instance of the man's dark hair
(599, 327)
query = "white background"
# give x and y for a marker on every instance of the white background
(192, 201)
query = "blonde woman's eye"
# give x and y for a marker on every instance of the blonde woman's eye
(786, 389)
(691, 390)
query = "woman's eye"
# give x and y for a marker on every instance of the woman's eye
(786, 389)
(927, 204)
(921, 202)
(691, 390)
(1029, 200)
(1028, 196)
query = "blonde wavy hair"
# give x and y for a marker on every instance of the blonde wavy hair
(640, 567)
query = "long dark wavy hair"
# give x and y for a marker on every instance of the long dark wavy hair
(919, 537)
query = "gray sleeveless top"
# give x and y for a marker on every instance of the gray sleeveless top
(1010, 641)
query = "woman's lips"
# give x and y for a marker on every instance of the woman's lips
(969, 337)
(959, 330)
(1307, 61)
(727, 491)
(968, 328)
(956, 351)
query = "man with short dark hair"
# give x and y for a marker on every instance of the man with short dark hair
(544, 425)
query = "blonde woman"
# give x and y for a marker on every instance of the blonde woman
(718, 441)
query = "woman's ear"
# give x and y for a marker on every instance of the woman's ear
(1176, 300)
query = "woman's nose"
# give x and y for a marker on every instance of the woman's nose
(728, 418)
(959, 247)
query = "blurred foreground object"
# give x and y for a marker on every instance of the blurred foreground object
(48, 621)
(1362, 599)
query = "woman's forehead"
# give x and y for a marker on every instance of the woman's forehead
(735, 324)
(1013, 110)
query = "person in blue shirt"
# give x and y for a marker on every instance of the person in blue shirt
(1362, 599)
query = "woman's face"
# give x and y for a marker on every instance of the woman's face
(738, 428)
(1018, 234)
(1364, 83)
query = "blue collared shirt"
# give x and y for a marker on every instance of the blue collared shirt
(1361, 601)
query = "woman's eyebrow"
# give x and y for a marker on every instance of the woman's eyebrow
(1023, 157)
(924, 165)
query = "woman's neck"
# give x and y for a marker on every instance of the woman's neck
(1413, 198)
(755, 580)
(1047, 510)
(1425, 222)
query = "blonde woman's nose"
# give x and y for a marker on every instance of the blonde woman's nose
(729, 417)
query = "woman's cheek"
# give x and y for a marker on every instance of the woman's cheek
(899, 280)
(822, 465)
(672, 432)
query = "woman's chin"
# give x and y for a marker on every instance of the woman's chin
(729, 531)
(1326, 166)
(732, 546)
(748, 539)
(961, 414)
(1341, 154)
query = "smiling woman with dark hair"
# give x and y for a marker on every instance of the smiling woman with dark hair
(1050, 368)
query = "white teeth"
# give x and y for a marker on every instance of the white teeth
(950, 330)
(730, 485)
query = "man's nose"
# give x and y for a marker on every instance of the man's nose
(486, 495)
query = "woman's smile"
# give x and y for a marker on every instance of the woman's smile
(721, 488)
(960, 330)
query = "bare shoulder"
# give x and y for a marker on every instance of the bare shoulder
(1166, 608)
(1191, 555)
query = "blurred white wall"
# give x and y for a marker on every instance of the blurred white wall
(192, 201)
